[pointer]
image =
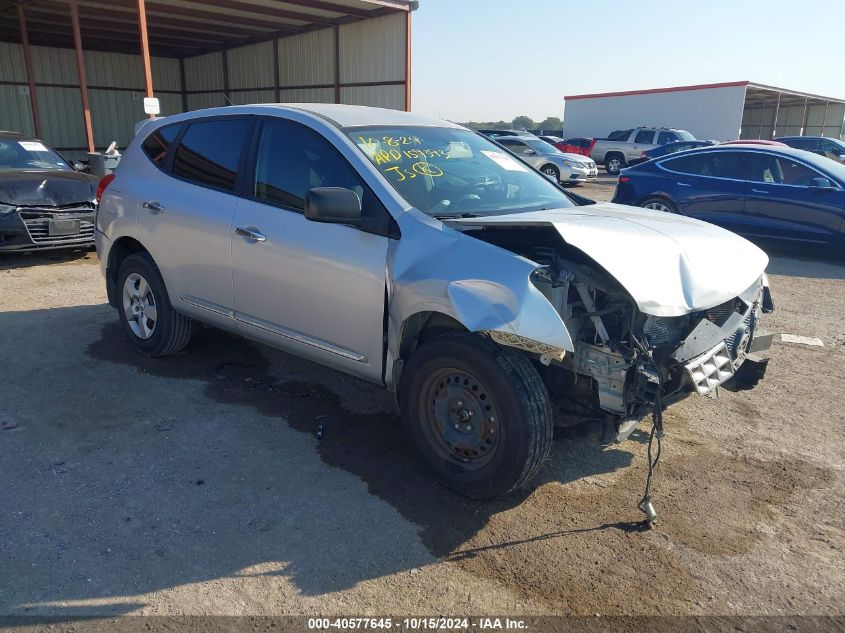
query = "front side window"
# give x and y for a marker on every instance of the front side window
(708, 164)
(29, 154)
(644, 136)
(292, 158)
(779, 170)
(155, 146)
(210, 151)
(452, 172)
(619, 135)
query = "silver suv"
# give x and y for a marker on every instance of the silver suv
(418, 255)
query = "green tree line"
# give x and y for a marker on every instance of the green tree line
(521, 122)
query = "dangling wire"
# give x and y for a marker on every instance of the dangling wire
(656, 432)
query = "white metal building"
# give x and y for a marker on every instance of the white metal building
(723, 112)
(75, 72)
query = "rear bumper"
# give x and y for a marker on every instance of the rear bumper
(30, 229)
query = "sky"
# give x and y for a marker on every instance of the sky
(486, 60)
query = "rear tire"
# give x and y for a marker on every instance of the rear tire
(149, 321)
(659, 203)
(614, 163)
(477, 413)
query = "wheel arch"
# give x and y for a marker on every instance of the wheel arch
(120, 249)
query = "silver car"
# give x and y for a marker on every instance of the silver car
(421, 256)
(560, 167)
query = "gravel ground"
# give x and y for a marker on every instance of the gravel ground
(196, 485)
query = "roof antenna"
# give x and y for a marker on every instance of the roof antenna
(226, 97)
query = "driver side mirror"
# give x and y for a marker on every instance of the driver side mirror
(529, 152)
(822, 184)
(79, 165)
(333, 205)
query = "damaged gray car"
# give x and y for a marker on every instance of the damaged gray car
(419, 255)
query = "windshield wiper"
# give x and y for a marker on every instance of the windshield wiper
(457, 216)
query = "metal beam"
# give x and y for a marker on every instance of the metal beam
(83, 79)
(322, 5)
(775, 123)
(408, 61)
(145, 50)
(183, 84)
(30, 73)
(248, 7)
(277, 96)
(337, 64)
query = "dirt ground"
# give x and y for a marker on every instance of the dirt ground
(196, 484)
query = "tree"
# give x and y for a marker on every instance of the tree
(523, 122)
(551, 124)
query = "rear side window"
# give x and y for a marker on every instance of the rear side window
(666, 137)
(210, 151)
(155, 146)
(803, 143)
(292, 159)
(644, 136)
(619, 135)
(710, 164)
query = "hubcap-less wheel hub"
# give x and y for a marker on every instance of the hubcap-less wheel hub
(139, 306)
(461, 422)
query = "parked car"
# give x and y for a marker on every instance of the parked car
(45, 203)
(581, 146)
(569, 169)
(757, 191)
(671, 148)
(498, 133)
(418, 255)
(832, 148)
(554, 141)
(623, 146)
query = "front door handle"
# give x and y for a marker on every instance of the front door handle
(251, 234)
(759, 191)
(153, 207)
(683, 184)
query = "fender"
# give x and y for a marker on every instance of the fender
(482, 286)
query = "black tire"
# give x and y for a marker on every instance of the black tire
(171, 331)
(507, 385)
(614, 163)
(551, 170)
(659, 203)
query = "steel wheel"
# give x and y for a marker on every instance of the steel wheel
(139, 306)
(460, 421)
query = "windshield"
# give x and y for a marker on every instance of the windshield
(454, 172)
(16, 154)
(684, 135)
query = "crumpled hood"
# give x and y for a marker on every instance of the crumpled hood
(670, 264)
(23, 187)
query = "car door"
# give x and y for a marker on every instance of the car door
(317, 290)
(186, 214)
(643, 141)
(782, 204)
(709, 186)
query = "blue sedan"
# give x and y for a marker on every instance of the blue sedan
(757, 191)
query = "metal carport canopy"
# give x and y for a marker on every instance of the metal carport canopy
(177, 29)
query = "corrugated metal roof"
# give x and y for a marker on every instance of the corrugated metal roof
(179, 28)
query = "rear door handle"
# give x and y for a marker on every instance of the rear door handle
(153, 207)
(251, 234)
(759, 191)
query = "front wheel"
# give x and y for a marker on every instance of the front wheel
(659, 204)
(552, 172)
(478, 414)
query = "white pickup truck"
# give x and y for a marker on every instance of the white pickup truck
(624, 147)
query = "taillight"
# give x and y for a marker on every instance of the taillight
(624, 179)
(105, 181)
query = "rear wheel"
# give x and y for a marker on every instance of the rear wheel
(152, 325)
(658, 203)
(478, 414)
(614, 163)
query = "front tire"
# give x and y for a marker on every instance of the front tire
(149, 321)
(659, 203)
(552, 172)
(478, 414)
